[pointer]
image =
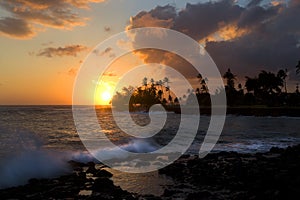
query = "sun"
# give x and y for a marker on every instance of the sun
(104, 93)
(106, 96)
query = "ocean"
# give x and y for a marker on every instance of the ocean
(37, 141)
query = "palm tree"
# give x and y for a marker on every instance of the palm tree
(298, 67)
(145, 83)
(160, 94)
(170, 99)
(282, 74)
(152, 82)
(202, 81)
(269, 82)
(204, 88)
(230, 77)
(199, 76)
(251, 85)
(176, 101)
(166, 80)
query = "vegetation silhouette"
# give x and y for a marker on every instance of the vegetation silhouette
(143, 97)
(267, 89)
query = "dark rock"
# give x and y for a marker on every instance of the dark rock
(103, 185)
(276, 150)
(226, 175)
(168, 193)
(76, 165)
(199, 195)
(103, 173)
(91, 169)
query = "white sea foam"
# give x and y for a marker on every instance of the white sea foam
(31, 164)
(136, 146)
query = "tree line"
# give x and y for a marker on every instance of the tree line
(142, 98)
(265, 89)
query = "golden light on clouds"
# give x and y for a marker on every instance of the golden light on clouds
(231, 32)
(225, 33)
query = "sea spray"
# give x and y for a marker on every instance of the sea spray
(27, 159)
(32, 164)
(135, 146)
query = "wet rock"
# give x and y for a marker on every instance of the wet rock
(276, 150)
(199, 195)
(223, 175)
(91, 168)
(168, 193)
(103, 185)
(103, 173)
(76, 165)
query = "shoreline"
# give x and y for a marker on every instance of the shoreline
(223, 175)
(262, 111)
(248, 111)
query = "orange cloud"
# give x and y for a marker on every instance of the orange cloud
(231, 31)
(110, 74)
(59, 14)
(69, 50)
(72, 71)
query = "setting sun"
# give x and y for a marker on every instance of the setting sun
(106, 96)
(104, 93)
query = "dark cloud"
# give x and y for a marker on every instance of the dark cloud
(272, 43)
(201, 20)
(246, 39)
(107, 29)
(197, 21)
(158, 17)
(107, 52)
(254, 3)
(257, 16)
(59, 14)
(16, 28)
(69, 50)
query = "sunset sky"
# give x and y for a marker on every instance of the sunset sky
(43, 43)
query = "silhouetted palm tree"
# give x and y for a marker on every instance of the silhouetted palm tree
(203, 87)
(145, 83)
(269, 82)
(166, 80)
(170, 99)
(199, 76)
(251, 84)
(160, 94)
(152, 81)
(230, 77)
(176, 100)
(282, 74)
(298, 67)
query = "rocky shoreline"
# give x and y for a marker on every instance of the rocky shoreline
(225, 175)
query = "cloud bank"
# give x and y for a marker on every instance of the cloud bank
(27, 17)
(247, 38)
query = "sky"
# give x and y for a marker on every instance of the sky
(44, 43)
